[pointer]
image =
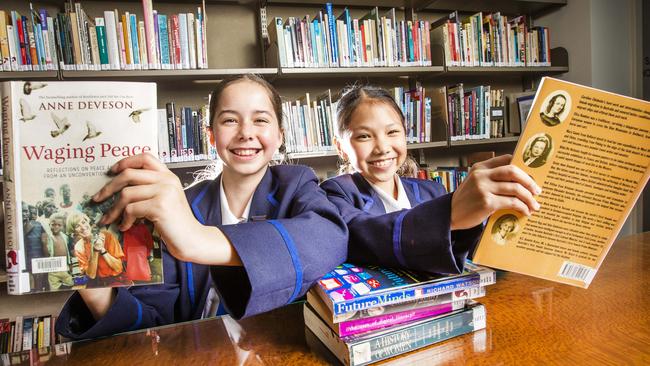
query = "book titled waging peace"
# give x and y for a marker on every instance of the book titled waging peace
(59, 141)
(588, 150)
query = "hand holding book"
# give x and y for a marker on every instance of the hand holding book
(490, 186)
(149, 190)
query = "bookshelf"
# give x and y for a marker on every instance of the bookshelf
(236, 46)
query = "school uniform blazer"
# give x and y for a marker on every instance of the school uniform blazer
(418, 238)
(294, 236)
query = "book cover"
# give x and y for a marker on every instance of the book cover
(588, 151)
(352, 288)
(61, 138)
(375, 346)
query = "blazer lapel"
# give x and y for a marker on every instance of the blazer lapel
(412, 191)
(265, 204)
(373, 203)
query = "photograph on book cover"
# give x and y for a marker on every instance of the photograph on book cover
(62, 138)
(591, 167)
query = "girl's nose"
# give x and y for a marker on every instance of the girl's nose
(245, 131)
(381, 146)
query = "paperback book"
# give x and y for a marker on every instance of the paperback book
(376, 346)
(60, 139)
(351, 288)
(588, 151)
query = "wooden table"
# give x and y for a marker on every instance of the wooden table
(529, 321)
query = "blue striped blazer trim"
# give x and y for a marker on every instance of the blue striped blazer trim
(293, 252)
(397, 242)
(138, 320)
(195, 204)
(368, 204)
(416, 191)
(190, 282)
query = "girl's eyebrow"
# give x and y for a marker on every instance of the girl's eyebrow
(223, 111)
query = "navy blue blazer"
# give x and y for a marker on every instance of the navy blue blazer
(294, 236)
(418, 238)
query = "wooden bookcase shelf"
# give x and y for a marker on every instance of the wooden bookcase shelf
(28, 75)
(164, 75)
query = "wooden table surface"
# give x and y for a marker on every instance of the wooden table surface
(529, 321)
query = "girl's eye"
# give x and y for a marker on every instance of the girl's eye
(261, 120)
(393, 132)
(229, 121)
(363, 137)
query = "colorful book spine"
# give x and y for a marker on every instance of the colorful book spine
(164, 42)
(102, 43)
(365, 349)
(357, 326)
(150, 35)
(184, 41)
(133, 41)
(392, 297)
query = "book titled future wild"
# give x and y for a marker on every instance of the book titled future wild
(59, 141)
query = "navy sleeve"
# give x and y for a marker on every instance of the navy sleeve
(282, 258)
(418, 238)
(134, 308)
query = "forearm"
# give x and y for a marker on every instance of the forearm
(98, 300)
(91, 270)
(203, 245)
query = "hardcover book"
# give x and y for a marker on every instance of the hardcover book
(588, 151)
(375, 346)
(60, 139)
(350, 288)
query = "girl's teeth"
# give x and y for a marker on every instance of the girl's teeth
(247, 152)
(382, 163)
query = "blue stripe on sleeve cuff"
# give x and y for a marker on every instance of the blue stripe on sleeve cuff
(397, 242)
(138, 321)
(293, 252)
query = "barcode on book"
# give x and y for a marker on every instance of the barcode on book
(577, 271)
(50, 264)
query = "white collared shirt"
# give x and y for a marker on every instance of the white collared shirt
(391, 204)
(227, 218)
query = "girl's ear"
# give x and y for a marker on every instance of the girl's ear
(211, 134)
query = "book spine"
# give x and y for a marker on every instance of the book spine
(421, 335)
(176, 46)
(171, 129)
(142, 41)
(198, 35)
(5, 63)
(94, 46)
(112, 43)
(52, 43)
(352, 327)
(13, 48)
(163, 34)
(18, 332)
(191, 40)
(17, 280)
(102, 45)
(133, 40)
(183, 41)
(404, 294)
(150, 35)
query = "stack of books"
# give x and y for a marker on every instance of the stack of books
(367, 314)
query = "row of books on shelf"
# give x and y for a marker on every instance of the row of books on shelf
(72, 40)
(27, 332)
(491, 40)
(327, 40)
(367, 314)
(311, 122)
(449, 177)
(184, 134)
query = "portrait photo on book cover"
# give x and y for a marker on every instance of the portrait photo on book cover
(555, 108)
(538, 149)
(505, 229)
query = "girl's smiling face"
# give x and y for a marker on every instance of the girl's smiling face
(375, 143)
(245, 129)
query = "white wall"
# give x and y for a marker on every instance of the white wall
(603, 39)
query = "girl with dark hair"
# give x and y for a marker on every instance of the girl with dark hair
(406, 222)
(537, 152)
(254, 238)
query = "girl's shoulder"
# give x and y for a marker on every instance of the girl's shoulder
(291, 172)
(345, 182)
